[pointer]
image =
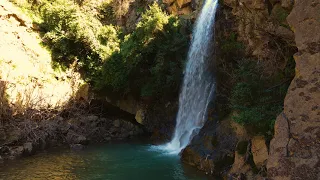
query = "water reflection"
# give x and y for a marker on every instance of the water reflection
(107, 162)
(44, 166)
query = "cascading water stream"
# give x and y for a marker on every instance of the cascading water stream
(198, 84)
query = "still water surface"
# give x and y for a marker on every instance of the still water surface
(126, 161)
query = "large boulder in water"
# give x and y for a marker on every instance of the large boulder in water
(212, 150)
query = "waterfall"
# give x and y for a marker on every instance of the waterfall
(198, 84)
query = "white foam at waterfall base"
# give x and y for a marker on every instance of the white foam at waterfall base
(198, 84)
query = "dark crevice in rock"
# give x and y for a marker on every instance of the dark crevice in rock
(289, 134)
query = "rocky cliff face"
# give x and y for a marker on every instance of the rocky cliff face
(182, 7)
(272, 31)
(262, 27)
(295, 148)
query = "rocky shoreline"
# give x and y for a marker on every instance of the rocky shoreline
(27, 137)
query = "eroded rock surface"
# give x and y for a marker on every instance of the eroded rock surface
(27, 137)
(295, 148)
(259, 151)
(212, 150)
(262, 27)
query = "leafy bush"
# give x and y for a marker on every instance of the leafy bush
(150, 61)
(146, 62)
(231, 45)
(74, 36)
(120, 7)
(257, 100)
(106, 13)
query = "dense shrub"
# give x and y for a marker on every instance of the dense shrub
(106, 13)
(120, 7)
(230, 47)
(257, 100)
(150, 61)
(74, 36)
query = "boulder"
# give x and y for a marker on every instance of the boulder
(212, 149)
(240, 165)
(168, 1)
(74, 138)
(193, 158)
(182, 3)
(180, 7)
(117, 123)
(16, 152)
(140, 116)
(28, 148)
(259, 151)
(128, 104)
(287, 4)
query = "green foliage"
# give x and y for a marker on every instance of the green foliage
(147, 62)
(120, 7)
(150, 60)
(140, 9)
(280, 14)
(106, 13)
(74, 36)
(230, 45)
(255, 99)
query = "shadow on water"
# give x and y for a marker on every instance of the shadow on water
(112, 161)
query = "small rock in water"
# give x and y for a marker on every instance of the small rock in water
(16, 152)
(77, 147)
(28, 148)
